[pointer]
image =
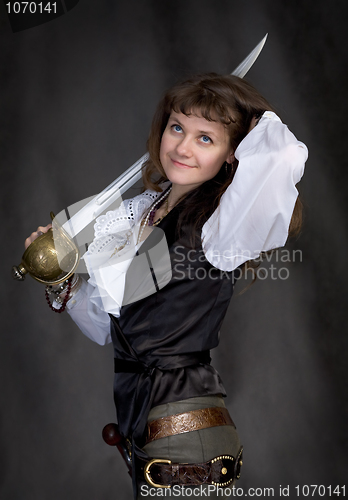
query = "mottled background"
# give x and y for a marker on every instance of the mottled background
(77, 97)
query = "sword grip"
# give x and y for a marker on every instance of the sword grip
(112, 437)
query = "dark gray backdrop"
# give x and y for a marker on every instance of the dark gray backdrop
(77, 97)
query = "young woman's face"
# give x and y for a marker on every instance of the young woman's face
(193, 149)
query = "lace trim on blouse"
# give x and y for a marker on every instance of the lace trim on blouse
(114, 228)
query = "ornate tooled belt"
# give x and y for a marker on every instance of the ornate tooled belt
(187, 422)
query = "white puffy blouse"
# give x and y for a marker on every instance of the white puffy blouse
(253, 216)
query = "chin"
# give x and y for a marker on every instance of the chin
(181, 178)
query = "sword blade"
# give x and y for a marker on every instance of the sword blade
(245, 65)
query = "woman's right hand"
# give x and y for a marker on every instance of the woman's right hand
(40, 230)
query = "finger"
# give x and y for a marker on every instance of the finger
(43, 229)
(30, 239)
(253, 123)
(40, 230)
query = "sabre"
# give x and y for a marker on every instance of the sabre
(104, 199)
(41, 260)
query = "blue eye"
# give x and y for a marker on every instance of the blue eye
(206, 139)
(177, 128)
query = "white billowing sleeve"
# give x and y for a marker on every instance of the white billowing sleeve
(255, 211)
(92, 321)
(107, 260)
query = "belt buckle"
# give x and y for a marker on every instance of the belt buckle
(147, 473)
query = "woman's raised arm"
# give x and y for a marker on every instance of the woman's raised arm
(255, 211)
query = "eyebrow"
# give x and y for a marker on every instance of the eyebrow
(203, 132)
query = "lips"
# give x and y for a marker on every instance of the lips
(180, 165)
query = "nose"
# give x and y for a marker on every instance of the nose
(184, 147)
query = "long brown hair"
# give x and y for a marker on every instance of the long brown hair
(228, 99)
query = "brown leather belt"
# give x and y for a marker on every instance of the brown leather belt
(220, 471)
(187, 422)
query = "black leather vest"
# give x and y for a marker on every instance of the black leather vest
(162, 341)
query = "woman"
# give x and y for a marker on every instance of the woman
(220, 183)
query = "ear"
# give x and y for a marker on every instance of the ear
(230, 158)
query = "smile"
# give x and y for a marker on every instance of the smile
(180, 165)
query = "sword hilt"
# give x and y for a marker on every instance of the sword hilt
(112, 437)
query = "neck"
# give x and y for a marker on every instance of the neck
(176, 193)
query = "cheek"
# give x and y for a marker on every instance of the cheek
(164, 147)
(212, 165)
(161, 152)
